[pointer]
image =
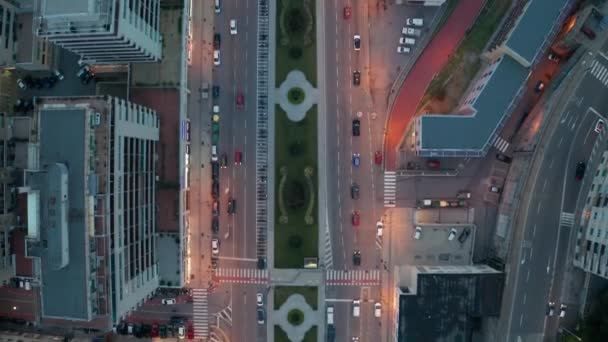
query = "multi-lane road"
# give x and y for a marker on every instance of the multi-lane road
(550, 214)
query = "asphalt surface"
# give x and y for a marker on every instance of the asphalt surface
(550, 214)
(230, 305)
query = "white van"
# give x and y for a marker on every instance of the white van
(213, 153)
(330, 315)
(407, 41)
(218, 7)
(414, 22)
(356, 308)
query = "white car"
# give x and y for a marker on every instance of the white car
(452, 234)
(216, 109)
(233, 26)
(379, 228)
(215, 246)
(414, 22)
(356, 307)
(357, 42)
(562, 311)
(407, 41)
(181, 332)
(599, 126)
(168, 301)
(403, 49)
(418, 233)
(259, 297)
(377, 310)
(216, 57)
(21, 84)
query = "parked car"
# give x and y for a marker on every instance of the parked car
(215, 247)
(495, 189)
(452, 234)
(417, 233)
(599, 126)
(540, 86)
(261, 316)
(562, 311)
(553, 57)
(87, 78)
(215, 91)
(181, 332)
(503, 158)
(190, 332)
(403, 49)
(414, 22)
(58, 74)
(377, 310)
(154, 331)
(215, 224)
(550, 309)
(433, 164)
(259, 298)
(217, 41)
(21, 84)
(168, 301)
(216, 58)
(215, 208)
(464, 235)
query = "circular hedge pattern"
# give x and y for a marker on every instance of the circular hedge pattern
(295, 317)
(296, 95)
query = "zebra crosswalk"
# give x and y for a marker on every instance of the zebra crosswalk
(566, 219)
(200, 311)
(390, 189)
(328, 259)
(352, 277)
(501, 144)
(600, 72)
(242, 275)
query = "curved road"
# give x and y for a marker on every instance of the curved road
(427, 66)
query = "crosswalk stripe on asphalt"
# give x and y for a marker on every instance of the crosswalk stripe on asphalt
(200, 313)
(242, 275)
(390, 188)
(352, 277)
(566, 219)
(501, 144)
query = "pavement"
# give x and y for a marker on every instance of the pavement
(296, 79)
(311, 317)
(538, 263)
(430, 62)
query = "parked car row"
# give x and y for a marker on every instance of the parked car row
(453, 232)
(28, 82)
(174, 328)
(409, 34)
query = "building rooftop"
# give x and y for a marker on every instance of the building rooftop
(62, 140)
(534, 27)
(444, 303)
(473, 132)
(66, 7)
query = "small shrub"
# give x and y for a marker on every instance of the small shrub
(296, 95)
(295, 317)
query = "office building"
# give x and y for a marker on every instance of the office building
(102, 31)
(8, 45)
(91, 208)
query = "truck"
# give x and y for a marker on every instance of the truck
(414, 22)
(330, 315)
(408, 31)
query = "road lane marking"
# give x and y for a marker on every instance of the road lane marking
(531, 252)
(560, 142)
(521, 319)
(527, 276)
(534, 231)
(551, 164)
(525, 297)
(544, 184)
(237, 259)
(540, 205)
(338, 300)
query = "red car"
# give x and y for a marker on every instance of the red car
(433, 164)
(240, 100)
(346, 12)
(238, 157)
(355, 218)
(378, 157)
(190, 332)
(154, 332)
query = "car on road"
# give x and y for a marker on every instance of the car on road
(503, 158)
(495, 189)
(331, 333)
(214, 264)
(224, 161)
(233, 26)
(261, 316)
(215, 91)
(357, 77)
(463, 194)
(168, 301)
(231, 205)
(562, 311)
(464, 235)
(215, 209)
(217, 6)
(355, 339)
(215, 224)
(403, 49)
(259, 298)
(216, 57)
(240, 100)
(238, 157)
(433, 164)
(356, 307)
(580, 170)
(354, 191)
(190, 332)
(377, 310)
(215, 246)
(553, 57)
(378, 157)
(550, 309)
(356, 159)
(599, 126)
(355, 218)
(346, 12)
(417, 233)
(379, 228)
(357, 258)
(181, 332)
(452, 234)
(88, 77)
(85, 68)
(217, 41)
(357, 42)
(540, 86)
(213, 153)
(356, 127)
(261, 264)
(21, 84)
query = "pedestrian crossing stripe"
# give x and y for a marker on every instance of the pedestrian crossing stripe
(501, 144)
(352, 277)
(390, 188)
(241, 276)
(200, 313)
(566, 219)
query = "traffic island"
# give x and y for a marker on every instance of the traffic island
(296, 315)
(296, 230)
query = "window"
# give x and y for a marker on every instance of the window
(7, 29)
(1, 18)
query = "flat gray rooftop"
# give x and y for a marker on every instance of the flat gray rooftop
(65, 7)
(62, 140)
(535, 24)
(472, 132)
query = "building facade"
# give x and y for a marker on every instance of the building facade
(8, 45)
(102, 31)
(592, 234)
(91, 208)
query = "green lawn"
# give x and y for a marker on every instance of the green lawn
(286, 134)
(281, 293)
(473, 44)
(281, 336)
(307, 63)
